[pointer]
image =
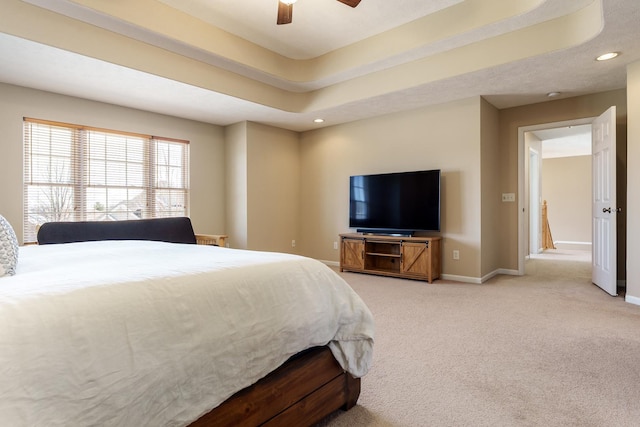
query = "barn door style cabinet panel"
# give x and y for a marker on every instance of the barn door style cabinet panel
(408, 257)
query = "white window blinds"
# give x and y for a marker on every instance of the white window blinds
(79, 173)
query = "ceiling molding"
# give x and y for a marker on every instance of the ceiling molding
(148, 55)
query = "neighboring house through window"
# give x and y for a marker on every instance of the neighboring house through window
(81, 173)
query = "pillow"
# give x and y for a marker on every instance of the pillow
(8, 248)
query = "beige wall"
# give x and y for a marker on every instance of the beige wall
(206, 148)
(263, 186)
(445, 137)
(566, 186)
(511, 119)
(273, 188)
(235, 200)
(490, 188)
(266, 186)
(633, 178)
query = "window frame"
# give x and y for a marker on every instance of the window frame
(176, 164)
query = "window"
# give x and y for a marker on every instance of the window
(359, 198)
(79, 173)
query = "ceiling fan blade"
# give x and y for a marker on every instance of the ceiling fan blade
(285, 13)
(352, 3)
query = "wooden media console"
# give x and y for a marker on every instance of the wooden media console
(407, 257)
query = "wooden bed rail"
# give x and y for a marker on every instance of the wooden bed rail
(300, 393)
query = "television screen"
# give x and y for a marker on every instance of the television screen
(403, 201)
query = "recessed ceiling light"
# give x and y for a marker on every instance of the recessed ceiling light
(553, 94)
(607, 56)
(318, 121)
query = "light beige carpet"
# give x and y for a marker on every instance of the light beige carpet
(545, 349)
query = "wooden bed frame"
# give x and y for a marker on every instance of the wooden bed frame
(301, 392)
(307, 388)
(304, 390)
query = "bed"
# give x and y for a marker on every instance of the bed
(149, 332)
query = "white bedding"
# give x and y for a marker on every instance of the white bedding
(133, 333)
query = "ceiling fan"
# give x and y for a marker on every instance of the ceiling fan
(285, 9)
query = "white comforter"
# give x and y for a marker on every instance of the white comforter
(153, 334)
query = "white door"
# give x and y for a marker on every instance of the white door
(604, 209)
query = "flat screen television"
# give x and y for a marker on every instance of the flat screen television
(395, 203)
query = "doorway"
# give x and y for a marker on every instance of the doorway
(560, 177)
(560, 146)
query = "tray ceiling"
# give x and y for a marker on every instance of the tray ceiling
(227, 61)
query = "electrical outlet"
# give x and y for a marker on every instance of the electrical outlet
(293, 243)
(335, 245)
(456, 254)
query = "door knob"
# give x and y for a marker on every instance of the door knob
(606, 210)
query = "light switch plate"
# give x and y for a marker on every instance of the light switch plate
(508, 197)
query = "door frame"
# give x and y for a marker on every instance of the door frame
(534, 189)
(523, 190)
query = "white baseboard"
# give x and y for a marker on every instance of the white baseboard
(452, 277)
(463, 279)
(480, 280)
(632, 299)
(580, 246)
(506, 271)
(498, 271)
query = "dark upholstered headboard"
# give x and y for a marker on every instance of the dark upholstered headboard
(173, 230)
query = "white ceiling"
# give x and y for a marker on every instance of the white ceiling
(227, 61)
(318, 27)
(566, 141)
